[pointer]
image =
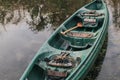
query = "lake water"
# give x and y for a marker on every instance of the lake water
(26, 25)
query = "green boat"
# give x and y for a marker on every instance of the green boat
(73, 48)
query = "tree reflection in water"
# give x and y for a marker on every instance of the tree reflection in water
(42, 13)
(38, 13)
(116, 12)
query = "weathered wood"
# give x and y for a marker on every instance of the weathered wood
(79, 24)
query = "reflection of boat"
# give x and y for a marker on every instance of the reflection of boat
(70, 51)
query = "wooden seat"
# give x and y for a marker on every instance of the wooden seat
(91, 13)
(80, 34)
(56, 73)
(90, 22)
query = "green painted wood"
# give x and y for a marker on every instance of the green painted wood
(82, 45)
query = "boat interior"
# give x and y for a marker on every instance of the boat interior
(53, 67)
(77, 34)
(96, 5)
(72, 37)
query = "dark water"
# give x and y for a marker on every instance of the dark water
(111, 66)
(26, 24)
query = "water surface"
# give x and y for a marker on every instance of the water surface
(111, 66)
(26, 25)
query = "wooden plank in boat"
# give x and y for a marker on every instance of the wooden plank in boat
(82, 35)
(56, 73)
(60, 64)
